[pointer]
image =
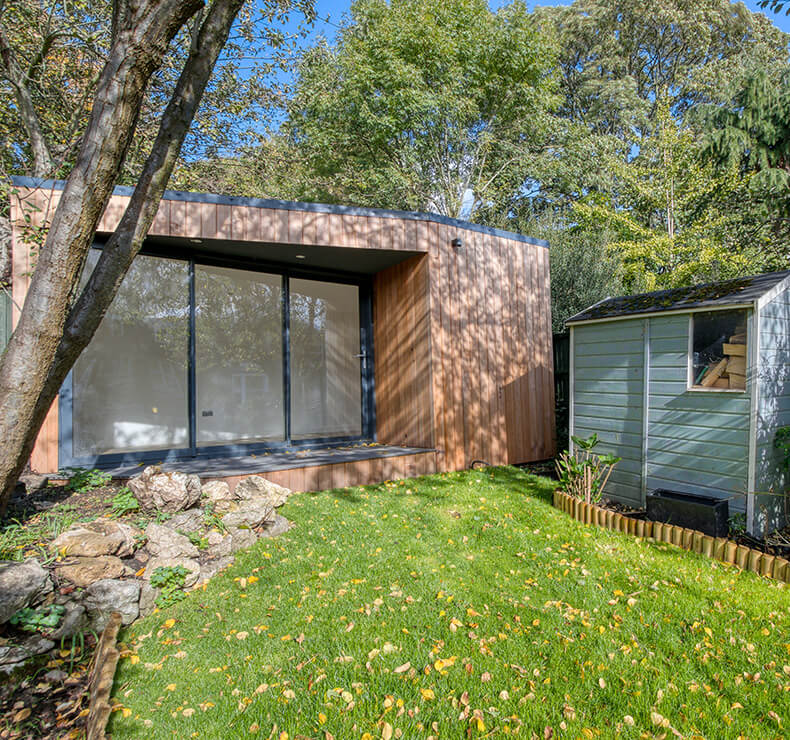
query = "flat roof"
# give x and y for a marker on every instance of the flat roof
(714, 295)
(287, 205)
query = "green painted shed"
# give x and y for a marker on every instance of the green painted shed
(689, 387)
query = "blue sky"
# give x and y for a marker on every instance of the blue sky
(334, 10)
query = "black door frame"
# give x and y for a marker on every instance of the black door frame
(66, 457)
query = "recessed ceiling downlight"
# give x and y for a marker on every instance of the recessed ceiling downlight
(300, 256)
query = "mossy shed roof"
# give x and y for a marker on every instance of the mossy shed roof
(737, 291)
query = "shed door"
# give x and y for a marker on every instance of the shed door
(608, 397)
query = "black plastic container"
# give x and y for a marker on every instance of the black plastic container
(704, 513)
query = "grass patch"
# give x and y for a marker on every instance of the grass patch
(505, 610)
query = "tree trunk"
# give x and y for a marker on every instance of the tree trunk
(42, 158)
(120, 250)
(143, 34)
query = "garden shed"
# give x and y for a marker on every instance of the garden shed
(689, 387)
(321, 345)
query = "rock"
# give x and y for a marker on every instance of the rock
(148, 597)
(211, 567)
(219, 545)
(111, 595)
(164, 542)
(276, 527)
(186, 521)
(13, 656)
(168, 492)
(191, 565)
(33, 482)
(21, 584)
(75, 620)
(83, 572)
(256, 488)
(101, 537)
(217, 491)
(250, 514)
(241, 539)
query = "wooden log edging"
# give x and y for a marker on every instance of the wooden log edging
(718, 548)
(105, 661)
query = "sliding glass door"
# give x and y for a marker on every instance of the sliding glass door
(326, 389)
(207, 358)
(129, 386)
(238, 356)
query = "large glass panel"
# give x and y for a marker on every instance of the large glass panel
(238, 356)
(325, 360)
(130, 383)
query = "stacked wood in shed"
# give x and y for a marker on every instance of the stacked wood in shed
(730, 371)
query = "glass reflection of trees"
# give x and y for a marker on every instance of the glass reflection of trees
(239, 351)
(130, 384)
(325, 366)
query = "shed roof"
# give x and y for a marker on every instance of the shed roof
(737, 291)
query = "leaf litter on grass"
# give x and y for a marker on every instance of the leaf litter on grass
(460, 605)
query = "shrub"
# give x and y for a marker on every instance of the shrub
(584, 474)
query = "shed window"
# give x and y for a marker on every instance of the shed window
(719, 350)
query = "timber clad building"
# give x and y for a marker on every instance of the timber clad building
(257, 336)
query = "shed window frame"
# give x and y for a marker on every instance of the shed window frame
(749, 316)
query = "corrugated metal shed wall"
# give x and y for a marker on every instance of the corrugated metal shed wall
(698, 441)
(608, 392)
(773, 410)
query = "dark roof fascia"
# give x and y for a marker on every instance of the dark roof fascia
(287, 205)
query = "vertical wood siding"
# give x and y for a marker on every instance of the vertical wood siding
(608, 372)
(462, 339)
(356, 473)
(401, 343)
(491, 350)
(698, 441)
(773, 373)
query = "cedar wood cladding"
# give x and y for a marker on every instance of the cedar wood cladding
(462, 337)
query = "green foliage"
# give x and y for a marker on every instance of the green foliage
(170, 580)
(124, 502)
(583, 473)
(737, 524)
(212, 519)
(83, 480)
(423, 106)
(196, 539)
(29, 538)
(40, 619)
(782, 443)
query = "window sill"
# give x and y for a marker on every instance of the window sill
(700, 389)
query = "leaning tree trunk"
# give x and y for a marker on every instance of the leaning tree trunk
(120, 250)
(142, 34)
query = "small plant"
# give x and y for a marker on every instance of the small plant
(782, 443)
(211, 519)
(43, 619)
(82, 480)
(737, 524)
(584, 474)
(124, 502)
(196, 539)
(170, 580)
(161, 517)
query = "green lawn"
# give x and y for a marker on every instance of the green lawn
(460, 605)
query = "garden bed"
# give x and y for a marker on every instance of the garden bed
(720, 548)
